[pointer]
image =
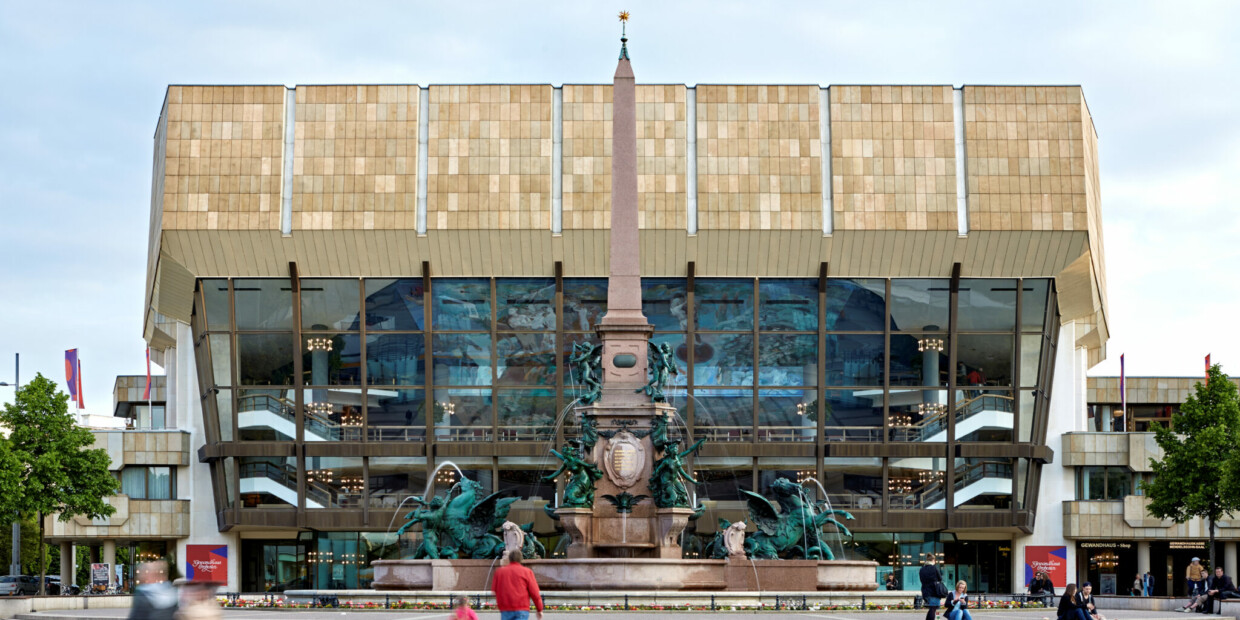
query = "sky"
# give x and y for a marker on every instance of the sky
(82, 83)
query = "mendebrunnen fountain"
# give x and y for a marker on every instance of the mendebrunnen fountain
(627, 498)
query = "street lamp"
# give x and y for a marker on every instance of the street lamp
(15, 568)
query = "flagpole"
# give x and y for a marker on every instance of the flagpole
(1123, 393)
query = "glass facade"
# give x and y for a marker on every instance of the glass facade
(907, 371)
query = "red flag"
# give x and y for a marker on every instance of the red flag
(73, 377)
(146, 394)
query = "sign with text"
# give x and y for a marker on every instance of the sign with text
(1051, 560)
(99, 574)
(206, 563)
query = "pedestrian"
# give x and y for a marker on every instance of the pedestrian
(890, 582)
(1148, 583)
(1138, 586)
(1220, 588)
(1085, 600)
(1068, 608)
(463, 611)
(957, 604)
(515, 588)
(1041, 586)
(932, 588)
(197, 601)
(1194, 578)
(154, 598)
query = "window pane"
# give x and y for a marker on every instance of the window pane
(215, 296)
(330, 304)
(265, 359)
(263, 303)
(787, 359)
(224, 410)
(395, 359)
(1093, 480)
(463, 415)
(230, 467)
(462, 359)
(1030, 356)
(396, 415)
(221, 358)
(724, 304)
(920, 304)
(987, 305)
(1028, 406)
(266, 415)
(723, 484)
(854, 359)
(726, 412)
(853, 483)
(788, 305)
(268, 481)
(526, 414)
(133, 482)
(725, 359)
(856, 305)
(527, 484)
(332, 359)
(919, 415)
(987, 417)
(394, 304)
(664, 303)
(525, 359)
(1022, 482)
(1033, 304)
(984, 361)
(919, 359)
(394, 478)
(853, 415)
(585, 303)
(159, 483)
(787, 415)
(333, 482)
(1119, 483)
(461, 305)
(332, 414)
(525, 304)
(917, 483)
(983, 484)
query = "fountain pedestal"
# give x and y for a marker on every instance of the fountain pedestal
(579, 525)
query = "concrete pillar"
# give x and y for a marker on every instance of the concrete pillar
(109, 558)
(1143, 556)
(66, 564)
(1229, 557)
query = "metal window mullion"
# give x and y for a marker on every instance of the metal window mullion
(428, 375)
(820, 389)
(365, 498)
(753, 380)
(558, 346)
(1017, 382)
(234, 369)
(364, 375)
(691, 343)
(949, 469)
(494, 371)
(887, 360)
(299, 399)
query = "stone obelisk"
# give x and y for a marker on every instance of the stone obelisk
(624, 522)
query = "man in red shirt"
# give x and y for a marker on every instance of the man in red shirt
(514, 586)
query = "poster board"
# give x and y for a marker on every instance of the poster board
(99, 573)
(1051, 560)
(206, 563)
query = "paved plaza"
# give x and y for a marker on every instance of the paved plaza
(254, 614)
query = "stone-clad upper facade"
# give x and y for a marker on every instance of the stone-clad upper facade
(1030, 157)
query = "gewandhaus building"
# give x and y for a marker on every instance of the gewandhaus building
(893, 290)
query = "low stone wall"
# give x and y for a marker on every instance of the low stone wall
(722, 600)
(10, 607)
(1147, 603)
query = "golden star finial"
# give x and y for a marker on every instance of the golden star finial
(624, 16)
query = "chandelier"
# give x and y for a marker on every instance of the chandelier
(898, 559)
(445, 476)
(324, 476)
(1107, 560)
(806, 476)
(319, 557)
(900, 485)
(319, 409)
(927, 410)
(928, 477)
(318, 344)
(351, 484)
(351, 419)
(930, 344)
(900, 419)
(800, 408)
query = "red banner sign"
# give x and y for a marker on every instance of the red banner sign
(206, 563)
(1050, 560)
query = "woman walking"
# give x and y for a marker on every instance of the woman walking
(932, 588)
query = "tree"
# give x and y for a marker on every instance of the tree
(60, 473)
(1189, 481)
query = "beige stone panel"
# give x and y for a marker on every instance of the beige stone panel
(758, 158)
(893, 158)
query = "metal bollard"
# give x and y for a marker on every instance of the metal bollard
(477, 601)
(777, 603)
(804, 602)
(712, 602)
(862, 601)
(917, 601)
(626, 602)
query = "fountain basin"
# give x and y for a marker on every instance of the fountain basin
(635, 574)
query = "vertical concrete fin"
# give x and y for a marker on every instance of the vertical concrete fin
(286, 156)
(824, 135)
(691, 193)
(962, 184)
(424, 123)
(557, 160)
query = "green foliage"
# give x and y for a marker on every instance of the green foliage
(59, 473)
(1189, 481)
(30, 547)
